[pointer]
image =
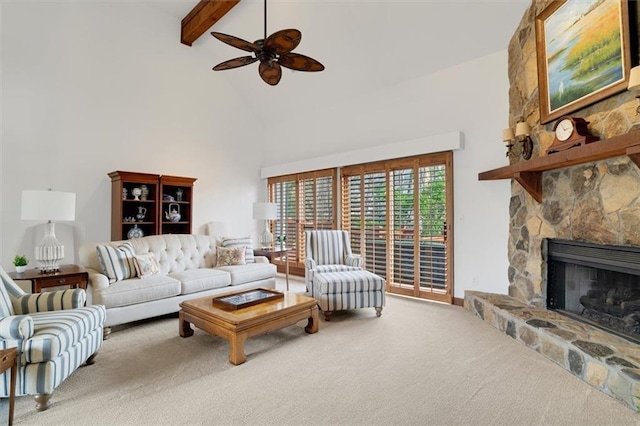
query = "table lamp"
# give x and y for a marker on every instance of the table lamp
(266, 212)
(50, 206)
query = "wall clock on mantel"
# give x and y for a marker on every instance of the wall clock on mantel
(570, 132)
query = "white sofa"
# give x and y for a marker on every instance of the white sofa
(187, 271)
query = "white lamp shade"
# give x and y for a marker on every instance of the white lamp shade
(522, 129)
(48, 205)
(507, 135)
(634, 78)
(265, 211)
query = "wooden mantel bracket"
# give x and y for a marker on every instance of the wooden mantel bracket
(634, 154)
(531, 182)
(202, 17)
(529, 173)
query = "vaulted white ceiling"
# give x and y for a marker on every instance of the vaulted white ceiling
(365, 45)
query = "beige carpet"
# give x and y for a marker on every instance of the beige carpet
(420, 363)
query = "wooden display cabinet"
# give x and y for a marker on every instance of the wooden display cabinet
(124, 206)
(177, 197)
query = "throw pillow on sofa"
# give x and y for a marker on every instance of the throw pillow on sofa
(146, 264)
(230, 256)
(117, 262)
(240, 242)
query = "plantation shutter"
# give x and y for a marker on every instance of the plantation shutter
(396, 213)
(306, 201)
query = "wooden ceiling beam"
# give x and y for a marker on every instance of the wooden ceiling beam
(202, 17)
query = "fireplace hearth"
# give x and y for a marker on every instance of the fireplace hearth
(595, 284)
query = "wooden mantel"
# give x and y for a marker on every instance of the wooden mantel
(529, 173)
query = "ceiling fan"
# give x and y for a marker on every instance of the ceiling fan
(273, 52)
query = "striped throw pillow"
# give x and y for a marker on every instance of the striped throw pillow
(117, 262)
(240, 242)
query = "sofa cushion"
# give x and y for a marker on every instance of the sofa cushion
(117, 262)
(240, 242)
(146, 264)
(195, 280)
(231, 256)
(135, 290)
(57, 331)
(241, 274)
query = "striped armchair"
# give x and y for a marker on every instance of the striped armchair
(328, 251)
(54, 333)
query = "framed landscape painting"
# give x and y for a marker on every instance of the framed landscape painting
(583, 54)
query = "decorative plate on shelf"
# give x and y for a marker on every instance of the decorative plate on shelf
(135, 232)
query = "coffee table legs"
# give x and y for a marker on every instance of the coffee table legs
(312, 324)
(236, 350)
(184, 326)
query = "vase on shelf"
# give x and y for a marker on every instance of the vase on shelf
(135, 232)
(144, 192)
(136, 192)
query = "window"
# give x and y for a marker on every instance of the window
(305, 201)
(396, 213)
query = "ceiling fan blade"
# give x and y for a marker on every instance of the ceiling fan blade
(236, 42)
(283, 41)
(270, 72)
(298, 62)
(235, 63)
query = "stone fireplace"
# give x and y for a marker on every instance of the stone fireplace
(595, 203)
(595, 284)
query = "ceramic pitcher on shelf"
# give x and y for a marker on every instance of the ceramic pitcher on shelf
(142, 211)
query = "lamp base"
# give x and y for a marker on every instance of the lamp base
(266, 238)
(50, 252)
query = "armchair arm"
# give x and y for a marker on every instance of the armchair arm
(354, 260)
(260, 259)
(16, 327)
(50, 301)
(310, 263)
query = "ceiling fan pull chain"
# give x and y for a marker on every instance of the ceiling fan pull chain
(265, 20)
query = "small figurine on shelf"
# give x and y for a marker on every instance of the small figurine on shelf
(144, 192)
(125, 191)
(179, 192)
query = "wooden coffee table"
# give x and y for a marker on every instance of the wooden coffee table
(237, 325)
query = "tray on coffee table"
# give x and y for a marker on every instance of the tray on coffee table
(246, 298)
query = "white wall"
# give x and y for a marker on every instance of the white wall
(471, 98)
(88, 88)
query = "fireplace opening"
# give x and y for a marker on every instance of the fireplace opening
(595, 284)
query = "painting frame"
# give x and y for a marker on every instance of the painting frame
(543, 24)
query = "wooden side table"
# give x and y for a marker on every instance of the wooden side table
(9, 360)
(72, 275)
(271, 253)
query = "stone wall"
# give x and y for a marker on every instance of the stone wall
(595, 202)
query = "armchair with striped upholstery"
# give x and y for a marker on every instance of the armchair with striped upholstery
(328, 251)
(335, 278)
(54, 334)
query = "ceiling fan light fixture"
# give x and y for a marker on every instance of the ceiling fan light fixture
(273, 52)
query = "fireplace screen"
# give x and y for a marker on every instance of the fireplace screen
(596, 284)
